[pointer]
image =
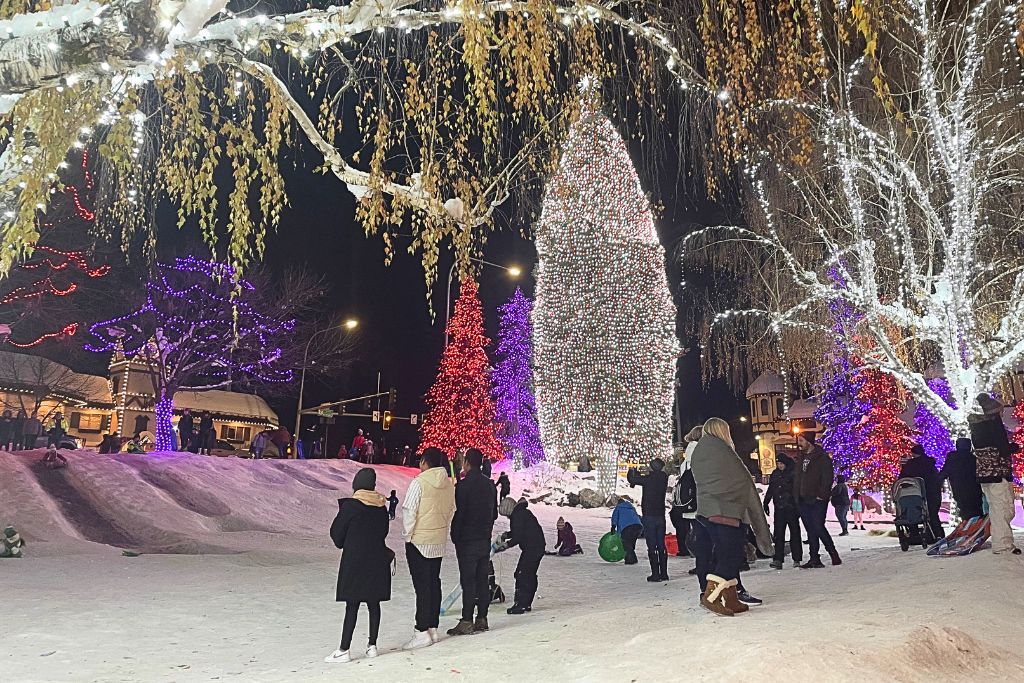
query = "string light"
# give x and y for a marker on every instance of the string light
(887, 439)
(932, 433)
(515, 405)
(604, 321)
(460, 410)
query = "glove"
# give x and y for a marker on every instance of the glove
(766, 508)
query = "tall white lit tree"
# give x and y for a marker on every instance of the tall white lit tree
(911, 190)
(604, 323)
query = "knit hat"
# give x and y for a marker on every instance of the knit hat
(694, 434)
(507, 505)
(989, 405)
(657, 464)
(560, 523)
(365, 480)
(811, 437)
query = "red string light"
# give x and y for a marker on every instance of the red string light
(69, 331)
(37, 289)
(71, 258)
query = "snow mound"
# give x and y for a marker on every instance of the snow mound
(552, 485)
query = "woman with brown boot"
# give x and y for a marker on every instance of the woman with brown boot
(726, 500)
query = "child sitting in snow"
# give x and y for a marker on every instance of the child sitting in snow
(54, 460)
(857, 508)
(566, 544)
(11, 543)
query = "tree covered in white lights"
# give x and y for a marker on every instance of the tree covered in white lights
(604, 323)
(911, 190)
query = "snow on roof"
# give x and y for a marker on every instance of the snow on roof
(802, 409)
(25, 371)
(226, 403)
(767, 383)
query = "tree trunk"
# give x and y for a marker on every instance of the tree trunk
(164, 429)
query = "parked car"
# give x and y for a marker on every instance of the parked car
(226, 449)
(68, 442)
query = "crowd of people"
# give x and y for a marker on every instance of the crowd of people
(21, 431)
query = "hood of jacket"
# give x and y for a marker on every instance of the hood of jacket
(434, 478)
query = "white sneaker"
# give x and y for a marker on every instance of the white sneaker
(371, 651)
(419, 639)
(433, 635)
(338, 657)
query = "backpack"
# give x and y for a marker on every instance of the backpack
(840, 496)
(685, 493)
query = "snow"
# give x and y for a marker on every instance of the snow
(28, 24)
(236, 581)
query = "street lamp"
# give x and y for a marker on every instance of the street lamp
(513, 271)
(349, 325)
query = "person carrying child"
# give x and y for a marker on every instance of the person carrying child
(857, 508)
(566, 544)
(360, 529)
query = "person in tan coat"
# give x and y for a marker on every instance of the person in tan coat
(427, 515)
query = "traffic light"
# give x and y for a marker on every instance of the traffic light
(386, 424)
(391, 399)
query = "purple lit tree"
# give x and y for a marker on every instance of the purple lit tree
(512, 381)
(932, 433)
(199, 328)
(839, 409)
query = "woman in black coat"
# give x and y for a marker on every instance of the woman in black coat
(961, 470)
(360, 530)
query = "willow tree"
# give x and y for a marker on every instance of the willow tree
(900, 166)
(433, 113)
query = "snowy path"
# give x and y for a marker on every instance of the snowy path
(78, 611)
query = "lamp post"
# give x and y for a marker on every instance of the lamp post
(349, 324)
(513, 271)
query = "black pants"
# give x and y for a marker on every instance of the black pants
(654, 534)
(426, 580)
(933, 518)
(703, 550)
(629, 536)
(526, 579)
(729, 544)
(841, 513)
(787, 518)
(474, 568)
(349, 626)
(682, 526)
(813, 515)
(185, 440)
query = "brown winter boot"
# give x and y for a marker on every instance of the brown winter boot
(714, 596)
(463, 628)
(480, 625)
(732, 600)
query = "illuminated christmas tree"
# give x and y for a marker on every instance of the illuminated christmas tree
(604, 322)
(460, 410)
(515, 406)
(199, 328)
(932, 433)
(36, 302)
(1018, 438)
(839, 409)
(886, 438)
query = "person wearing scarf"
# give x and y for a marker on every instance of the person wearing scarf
(360, 529)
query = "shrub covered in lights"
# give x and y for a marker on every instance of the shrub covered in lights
(887, 439)
(515, 406)
(460, 410)
(932, 433)
(604, 323)
(199, 328)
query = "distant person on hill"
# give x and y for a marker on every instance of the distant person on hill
(357, 444)
(961, 468)
(54, 460)
(57, 430)
(426, 516)
(652, 507)
(205, 433)
(360, 529)
(504, 486)
(525, 532)
(566, 544)
(186, 427)
(626, 523)
(475, 512)
(6, 428)
(18, 431)
(32, 429)
(392, 503)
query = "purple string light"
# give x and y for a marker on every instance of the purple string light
(932, 433)
(512, 380)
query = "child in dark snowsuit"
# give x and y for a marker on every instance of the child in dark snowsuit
(566, 544)
(525, 532)
(392, 504)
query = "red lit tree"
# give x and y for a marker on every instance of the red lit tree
(460, 409)
(1018, 438)
(886, 438)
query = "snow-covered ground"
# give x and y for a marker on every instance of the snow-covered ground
(236, 582)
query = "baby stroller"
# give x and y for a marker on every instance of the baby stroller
(908, 496)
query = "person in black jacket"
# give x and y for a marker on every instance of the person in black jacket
(782, 495)
(652, 515)
(205, 433)
(961, 470)
(360, 529)
(185, 428)
(504, 486)
(923, 467)
(524, 531)
(6, 430)
(475, 512)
